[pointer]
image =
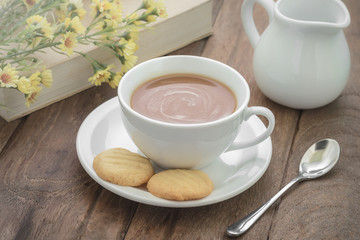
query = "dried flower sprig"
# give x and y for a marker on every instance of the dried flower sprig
(31, 26)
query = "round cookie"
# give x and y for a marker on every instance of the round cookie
(180, 184)
(122, 167)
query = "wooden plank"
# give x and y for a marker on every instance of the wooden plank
(328, 208)
(44, 191)
(110, 217)
(229, 45)
(7, 129)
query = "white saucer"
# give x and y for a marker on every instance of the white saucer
(233, 173)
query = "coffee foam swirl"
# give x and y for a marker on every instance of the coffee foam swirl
(183, 99)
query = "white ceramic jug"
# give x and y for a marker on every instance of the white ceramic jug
(302, 59)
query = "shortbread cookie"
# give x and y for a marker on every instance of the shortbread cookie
(122, 167)
(180, 184)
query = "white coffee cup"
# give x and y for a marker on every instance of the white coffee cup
(172, 145)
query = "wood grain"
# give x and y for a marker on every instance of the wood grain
(46, 194)
(7, 129)
(43, 188)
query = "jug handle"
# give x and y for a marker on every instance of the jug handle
(248, 19)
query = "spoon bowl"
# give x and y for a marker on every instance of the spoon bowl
(319, 159)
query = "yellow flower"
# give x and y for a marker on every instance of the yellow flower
(24, 85)
(132, 33)
(117, 3)
(114, 80)
(150, 5)
(115, 12)
(133, 19)
(30, 3)
(115, 15)
(100, 76)
(77, 9)
(35, 81)
(127, 47)
(68, 43)
(40, 25)
(81, 13)
(46, 77)
(100, 6)
(129, 62)
(8, 77)
(151, 18)
(106, 23)
(71, 8)
(28, 85)
(74, 25)
(30, 98)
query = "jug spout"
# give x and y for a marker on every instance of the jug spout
(317, 13)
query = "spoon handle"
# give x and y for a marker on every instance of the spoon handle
(241, 226)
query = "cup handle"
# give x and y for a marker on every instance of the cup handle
(250, 111)
(248, 19)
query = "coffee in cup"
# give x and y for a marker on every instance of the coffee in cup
(183, 98)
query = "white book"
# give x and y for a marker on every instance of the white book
(187, 21)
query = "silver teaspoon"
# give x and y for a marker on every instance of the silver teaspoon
(319, 159)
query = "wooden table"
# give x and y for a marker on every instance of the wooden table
(46, 194)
